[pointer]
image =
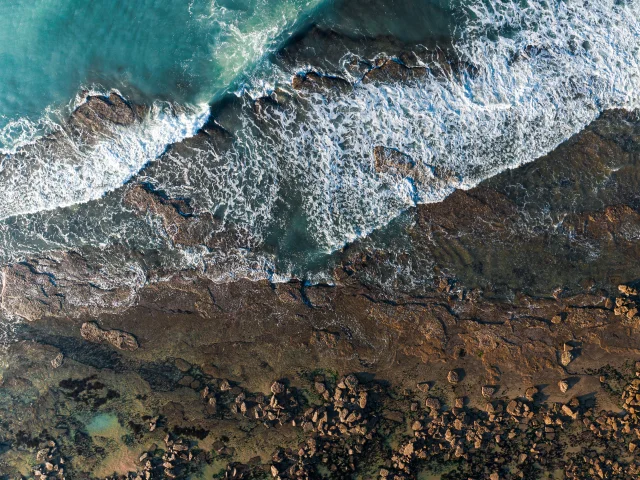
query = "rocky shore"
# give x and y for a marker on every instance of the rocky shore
(495, 337)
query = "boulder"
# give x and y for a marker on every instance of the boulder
(91, 332)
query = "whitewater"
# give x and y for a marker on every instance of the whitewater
(542, 72)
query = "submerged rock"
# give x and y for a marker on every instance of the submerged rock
(313, 82)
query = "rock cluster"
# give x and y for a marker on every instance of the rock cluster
(626, 305)
(511, 435)
(175, 461)
(51, 462)
(275, 409)
(342, 424)
(340, 429)
(342, 420)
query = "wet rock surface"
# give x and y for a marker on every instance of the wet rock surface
(92, 332)
(97, 112)
(513, 355)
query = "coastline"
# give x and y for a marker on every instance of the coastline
(504, 345)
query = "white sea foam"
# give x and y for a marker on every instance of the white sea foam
(54, 174)
(520, 105)
(67, 174)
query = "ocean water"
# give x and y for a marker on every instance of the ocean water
(184, 52)
(298, 180)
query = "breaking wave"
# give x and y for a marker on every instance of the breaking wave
(542, 72)
(300, 176)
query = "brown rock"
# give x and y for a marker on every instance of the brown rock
(488, 391)
(121, 340)
(624, 289)
(530, 393)
(563, 385)
(424, 386)
(57, 360)
(432, 403)
(566, 409)
(277, 388)
(566, 357)
(182, 365)
(314, 82)
(91, 332)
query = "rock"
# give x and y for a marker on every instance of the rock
(563, 385)
(180, 222)
(65, 285)
(91, 332)
(121, 340)
(530, 393)
(626, 290)
(488, 391)
(58, 360)
(277, 388)
(453, 377)
(512, 408)
(432, 403)
(390, 160)
(566, 409)
(424, 386)
(391, 70)
(393, 415)
(98, 111)
(408, 449)
(182, 365)
(313, 82)
(566, 357)
(351, 382)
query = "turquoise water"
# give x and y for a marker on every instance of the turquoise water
(182, 51)
(103, 424)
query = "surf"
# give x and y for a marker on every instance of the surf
(301, 179)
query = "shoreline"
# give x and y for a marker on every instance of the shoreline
(177, 377)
